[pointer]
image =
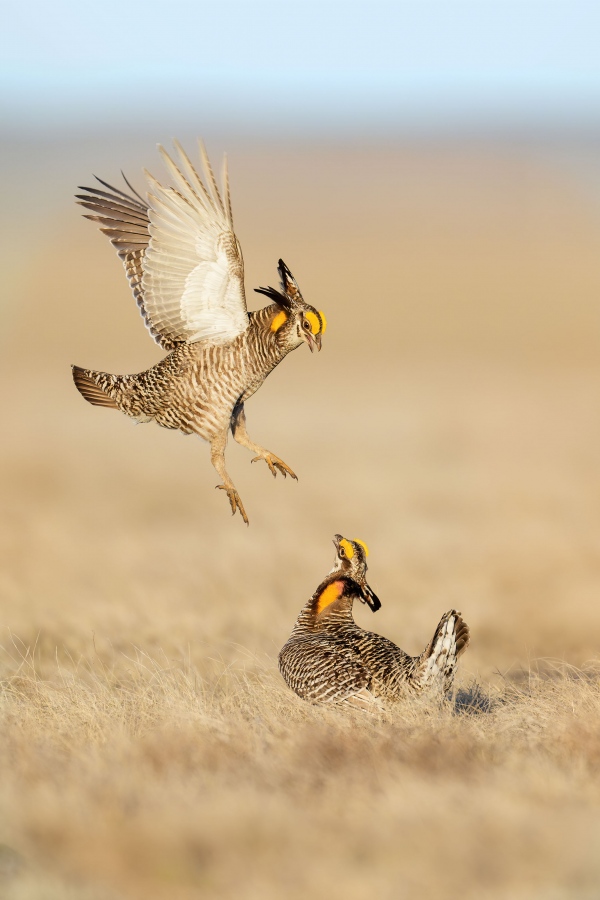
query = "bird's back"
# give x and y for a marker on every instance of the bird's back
(339, 659)
(393, 672)
(321, 668)
(195, 387)
(389, 667)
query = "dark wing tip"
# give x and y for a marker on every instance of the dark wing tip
(131, 188)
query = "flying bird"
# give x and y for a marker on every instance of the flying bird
(329, 659)
(184, 265)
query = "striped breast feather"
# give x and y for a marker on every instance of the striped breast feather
(193, 273)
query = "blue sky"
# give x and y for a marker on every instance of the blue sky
(292, 66)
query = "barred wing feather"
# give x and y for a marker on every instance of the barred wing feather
(193, 278)
(124, 220)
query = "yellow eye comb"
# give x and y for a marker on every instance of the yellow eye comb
(363, 545)
(347, 547)
(315, 325)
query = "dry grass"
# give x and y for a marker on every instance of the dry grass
(148, 746)
(146, 778)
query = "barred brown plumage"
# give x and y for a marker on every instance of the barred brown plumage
(185, 268)
(329, 659)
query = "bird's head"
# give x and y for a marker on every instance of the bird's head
(295, 321)
(351, 562)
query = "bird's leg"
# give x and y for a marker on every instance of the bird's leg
(238, 429)
(217, 457)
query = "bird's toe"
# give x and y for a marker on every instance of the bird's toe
(234, 500)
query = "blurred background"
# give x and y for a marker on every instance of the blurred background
(430, 171)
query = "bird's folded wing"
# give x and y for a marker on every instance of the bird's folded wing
(193, 273)
(341, 674)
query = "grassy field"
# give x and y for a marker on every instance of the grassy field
(148, 746)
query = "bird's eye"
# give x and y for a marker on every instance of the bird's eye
(342, 553)
(306, 325)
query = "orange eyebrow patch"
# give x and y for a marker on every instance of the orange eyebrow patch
(331, 593)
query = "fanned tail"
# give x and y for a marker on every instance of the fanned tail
(437, 663)
(87, 383)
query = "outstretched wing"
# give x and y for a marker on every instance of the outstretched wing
(193, 277)
(181, 255)
(124, 219)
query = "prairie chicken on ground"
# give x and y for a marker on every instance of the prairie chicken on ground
(185, 268)
(329, 659)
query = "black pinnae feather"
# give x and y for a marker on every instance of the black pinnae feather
(352, 587)
(371, 599)
(273, 294)
(284, 272)
(364, 591)
(289, 284)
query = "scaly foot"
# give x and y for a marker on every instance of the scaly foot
(234, 499)
(275, 463)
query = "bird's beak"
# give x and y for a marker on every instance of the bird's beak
(336, 541)
(313, 340)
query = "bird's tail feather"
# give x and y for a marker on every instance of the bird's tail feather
(86, 382)
(437, 663)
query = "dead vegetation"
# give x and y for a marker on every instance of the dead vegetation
(146, 778)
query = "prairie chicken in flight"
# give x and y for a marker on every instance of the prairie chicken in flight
(184, 265)
(329, 659)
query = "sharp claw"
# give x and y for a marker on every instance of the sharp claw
(234, 500)
(276, 465)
